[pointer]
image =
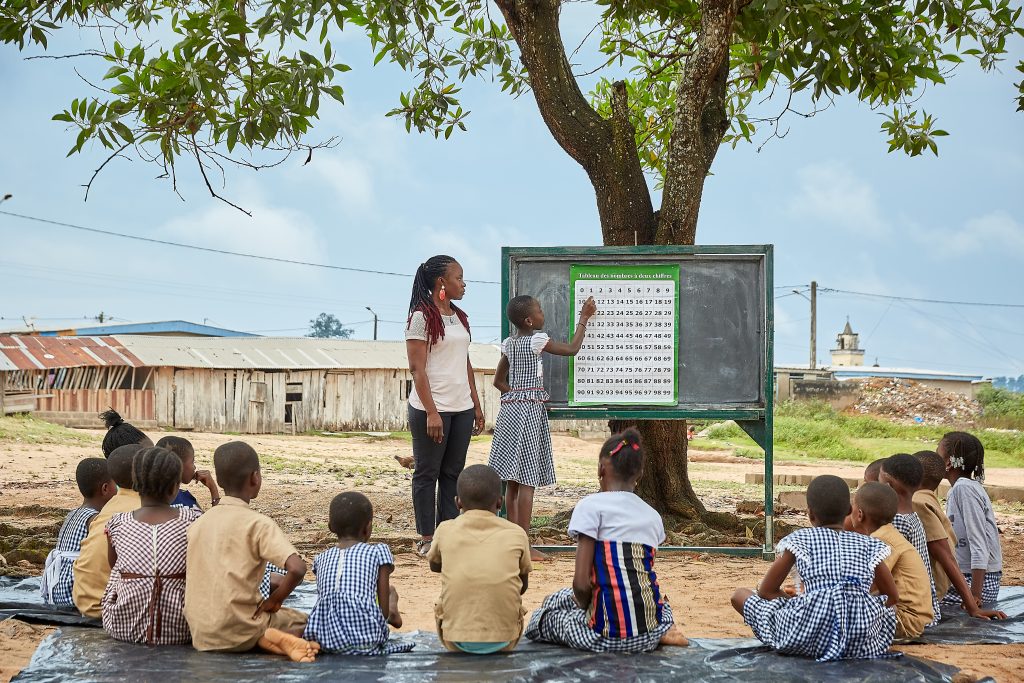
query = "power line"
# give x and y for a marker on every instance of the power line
(211, 250)
(919, 300)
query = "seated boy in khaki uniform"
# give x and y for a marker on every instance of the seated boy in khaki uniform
(92, 567)
(874, 508)
(484, 562)
(228, 550)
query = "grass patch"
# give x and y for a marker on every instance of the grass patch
(27, 429)
(816, 431)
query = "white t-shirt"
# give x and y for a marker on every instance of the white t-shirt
(446, 365)
(617, 516)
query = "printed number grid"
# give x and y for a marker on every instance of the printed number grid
(628, 355)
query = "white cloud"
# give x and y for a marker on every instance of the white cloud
(478, 250)
(271, 231)
(832, 195)
(350, 178)
(994, 232)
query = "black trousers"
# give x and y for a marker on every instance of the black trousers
(438, 466)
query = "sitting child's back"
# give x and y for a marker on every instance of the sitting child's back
(483, 561)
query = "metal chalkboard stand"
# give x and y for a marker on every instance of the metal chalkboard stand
(752, 414)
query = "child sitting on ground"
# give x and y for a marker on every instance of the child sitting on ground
(145, 597)
(92, 568)
(978, 553)
(183, 449)
(484, 562)
(521, 447)
(874, 507)
(96, 487)
(355, 601)
(228, 551)
(834, 616)
(615, 603)
(872, 471)
(120, 433)
(941, 537)
(902, 472)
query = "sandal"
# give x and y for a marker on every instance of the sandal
(422, 547)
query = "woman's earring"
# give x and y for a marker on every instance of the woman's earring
(442, 296)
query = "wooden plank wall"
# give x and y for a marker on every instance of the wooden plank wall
(132, 404)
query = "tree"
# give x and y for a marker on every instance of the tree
(677, 79)
(327, 326)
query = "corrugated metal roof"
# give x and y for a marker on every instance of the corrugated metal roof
(42, 353)
(89, 328)
(282, 353)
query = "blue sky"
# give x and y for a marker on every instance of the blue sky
(838, 208)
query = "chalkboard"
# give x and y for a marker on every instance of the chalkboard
(724, 328)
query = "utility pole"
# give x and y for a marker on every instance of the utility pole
(374, 323)
(814, 325)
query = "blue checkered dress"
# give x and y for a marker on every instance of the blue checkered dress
(989, 589)
(346, 618)
(910, 527)
(835, 617)
(69, 543)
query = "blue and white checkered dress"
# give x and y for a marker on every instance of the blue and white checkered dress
(346, 618)
(910, 527)
(989, 589)
(835, 617)
(59, 577)
(521, 446)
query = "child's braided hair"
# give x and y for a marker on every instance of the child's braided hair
(626, 452)
(422, 299)
(156, 472)
(119, 433)
(965, 453)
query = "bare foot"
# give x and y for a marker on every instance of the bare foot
(406, 461)
(292, 647)
(538, 556)
(674, 637)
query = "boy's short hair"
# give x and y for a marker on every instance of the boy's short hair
(119, 464)
(872, 470)
(350, 512)
(933, 469)
(90, 475)
(519, 309)
(878, 501)
(478, 488)
(905, 469)
(234, 462)
(828, 497)
(177, 445)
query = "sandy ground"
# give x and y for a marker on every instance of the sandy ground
(301, 474)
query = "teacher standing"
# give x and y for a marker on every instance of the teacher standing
(444, 409)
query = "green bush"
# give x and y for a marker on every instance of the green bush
(1001, 402)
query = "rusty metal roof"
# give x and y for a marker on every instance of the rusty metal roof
(43, 353)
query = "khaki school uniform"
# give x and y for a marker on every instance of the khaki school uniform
(228, 550)
(936, 527)
(914, 607)
(92, 568)
(482, 557)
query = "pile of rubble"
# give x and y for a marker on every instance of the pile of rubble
(908, 401)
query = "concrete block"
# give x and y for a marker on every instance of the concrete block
(753, 478)
(793, 499)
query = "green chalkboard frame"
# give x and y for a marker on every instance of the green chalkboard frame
(756, 421)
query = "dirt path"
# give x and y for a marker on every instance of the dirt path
(302, 474)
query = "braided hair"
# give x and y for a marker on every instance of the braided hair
(156, 473)
(119, 433)
(965, 454)
(626, 452)
(422, 299)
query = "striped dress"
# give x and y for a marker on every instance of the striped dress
(58, 577)
(521, 446)
(145, 598)
(834, 616)
(628, 612)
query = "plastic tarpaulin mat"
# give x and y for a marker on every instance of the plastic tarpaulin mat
(87, 654)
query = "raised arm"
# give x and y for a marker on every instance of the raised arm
(574, 345)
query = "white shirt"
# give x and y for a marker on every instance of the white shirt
(446, 367)
(617, 516)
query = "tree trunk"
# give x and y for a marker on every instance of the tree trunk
(607, 151)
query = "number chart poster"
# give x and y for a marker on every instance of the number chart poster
(629, 354)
